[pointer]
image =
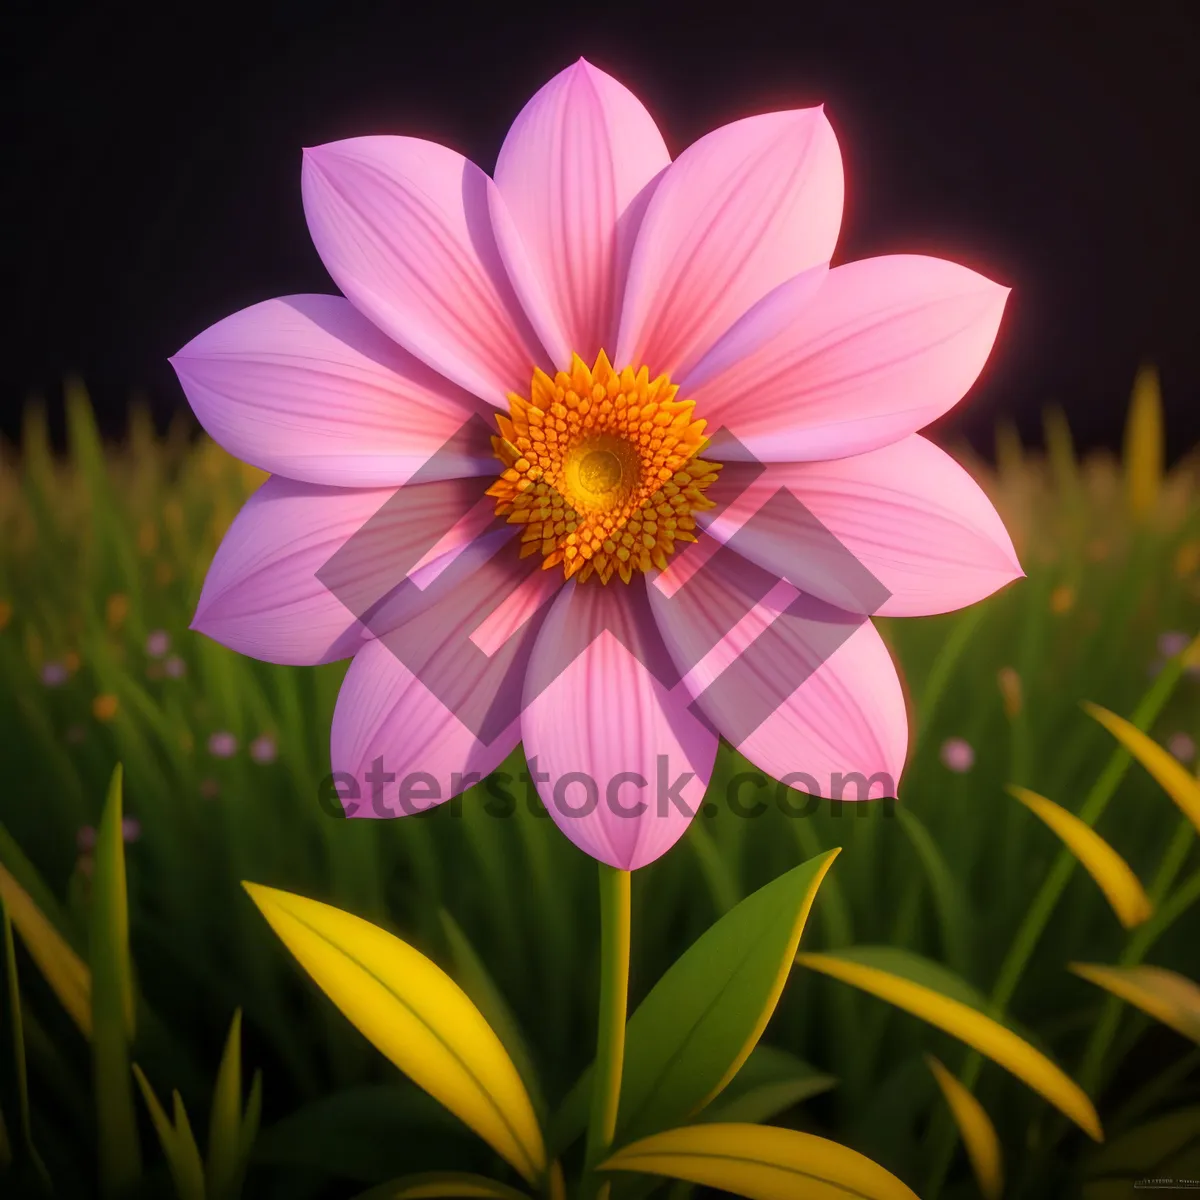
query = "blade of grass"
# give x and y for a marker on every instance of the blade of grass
(18, 1037)
(112, 1006)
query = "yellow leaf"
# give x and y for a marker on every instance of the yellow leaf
(443, 1185)
(64, 970)
(978, 1132)
(1171, 775)
(969, 1025)
(417, 1016)
(760, 1162)
(1170, 998)
(1144, 443)
(1112, 873)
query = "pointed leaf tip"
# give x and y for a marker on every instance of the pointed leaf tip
(1171, 775)
(942, 999)
(761, 1162)
(978, 1133)
(1112, 874)
(416, 1016)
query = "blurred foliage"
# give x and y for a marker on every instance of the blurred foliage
(102, 555)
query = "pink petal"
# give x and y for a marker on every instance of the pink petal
(264, 595)
(906, 518)
(883, 347)
(743, 209)
(307, 387)
(574, 172)
(402, 225)
(425, 701)
(794, 684)
(385, 713)
(606, 735)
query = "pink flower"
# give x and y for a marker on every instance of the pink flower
(957, 755)
(158, 643)
(222, 744)
(54, 674)
(263, 749)
(601, 309)
(175, 667)
(1182, 746)
(131, 829)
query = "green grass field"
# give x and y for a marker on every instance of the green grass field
(103, 552)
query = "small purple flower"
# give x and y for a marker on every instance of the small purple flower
(1182, 746)
(175, 667)
(85, 839)
(131, 829)
(158, 643)
(222, 745)
(957, 755)
(54, 674)
(1173, 642)
(263, 749)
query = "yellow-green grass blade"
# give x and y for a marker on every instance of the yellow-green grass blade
(178, 1145)
(976, 1130)
(1144, 443)
(948, 899)
(225, 1120)
(18, 1043)
(1165, 995)
(112, 1005)
(1113, 875)
(920, 988)
(760, 1162)
(63, 969)
(1170, 774)
(417, 1016)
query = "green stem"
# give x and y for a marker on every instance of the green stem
(610, 1038)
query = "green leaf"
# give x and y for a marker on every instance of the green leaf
(369, 1134)
(1165, 995)
(26, 874)
(937, 996)
(225, 1121)
(760, 1162)
(476, 981)
(692, 1033)
(178, 1145)
(949, 899)
(61, 967)
(112, 1005)
(771, 1082)
(18, 1038)
(249, 1131)
(1165, 1147)
(416, 1016)
(453, 1185)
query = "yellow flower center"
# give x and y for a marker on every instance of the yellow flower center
(601, 468)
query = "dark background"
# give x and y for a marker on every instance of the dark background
(151, 164)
